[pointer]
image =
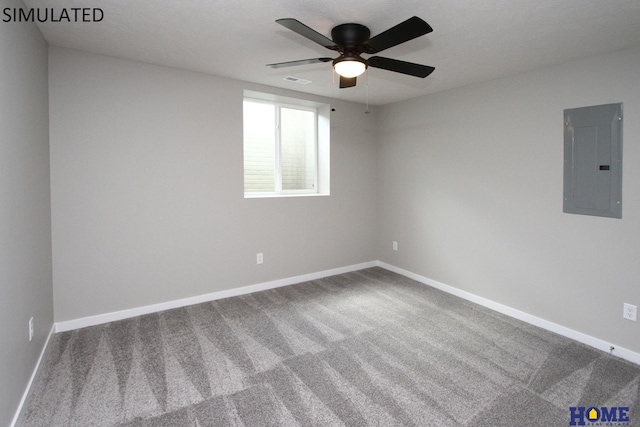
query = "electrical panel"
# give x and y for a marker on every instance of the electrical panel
(593, 160)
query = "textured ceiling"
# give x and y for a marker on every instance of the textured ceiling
(472, 40)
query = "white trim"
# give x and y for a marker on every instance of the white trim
(16, 417)
(272, 195)
(125, 314)
(597, 343)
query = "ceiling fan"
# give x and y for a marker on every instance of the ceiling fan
(352, 40)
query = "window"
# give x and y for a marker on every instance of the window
(285, 146)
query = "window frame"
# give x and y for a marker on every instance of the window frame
(320, 155)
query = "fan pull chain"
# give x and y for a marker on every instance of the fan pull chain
(333, 85)
(366, 83)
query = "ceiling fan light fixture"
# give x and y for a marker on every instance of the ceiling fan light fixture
(349, 67)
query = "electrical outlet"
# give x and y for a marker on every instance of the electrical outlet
(630, 312)
(259, 258)
(395, 246)
(31, 329)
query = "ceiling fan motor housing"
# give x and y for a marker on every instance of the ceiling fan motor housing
(351, 37)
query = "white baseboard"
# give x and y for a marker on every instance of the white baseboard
(597, 343)
(16, 417)
(125, 314)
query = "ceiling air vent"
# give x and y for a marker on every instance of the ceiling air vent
(297, 80)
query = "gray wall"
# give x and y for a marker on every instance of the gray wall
(147, 194)
(470, 185)
(146, 183)
(147, 190)
(25, 230)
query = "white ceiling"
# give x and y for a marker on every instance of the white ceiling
(472, 40)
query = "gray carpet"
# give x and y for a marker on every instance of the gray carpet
(364, 348)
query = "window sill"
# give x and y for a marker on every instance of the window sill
(273, 195)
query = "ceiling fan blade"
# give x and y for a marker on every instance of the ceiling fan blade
(298, 27)
(300, 62)
(403, 32)
(398, 66)
(346, 82)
